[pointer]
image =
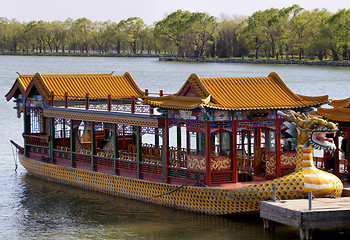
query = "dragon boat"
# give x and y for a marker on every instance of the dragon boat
(217, 146)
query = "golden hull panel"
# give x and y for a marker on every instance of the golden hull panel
(197, 199)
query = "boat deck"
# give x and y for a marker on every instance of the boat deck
(235, 185)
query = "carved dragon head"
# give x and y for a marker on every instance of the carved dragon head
(311, 131)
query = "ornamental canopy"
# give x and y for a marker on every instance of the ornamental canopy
(248, 93)
(340, 112)
(77, 85)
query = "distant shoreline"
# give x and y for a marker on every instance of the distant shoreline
(261, 61)
(175, 59)
(79, 55)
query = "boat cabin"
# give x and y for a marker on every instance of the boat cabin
(339, 161)
(212, 131)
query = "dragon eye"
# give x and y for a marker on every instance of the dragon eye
(315, 126)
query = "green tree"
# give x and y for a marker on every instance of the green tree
(147, 42)
(336, 30)
(172, 30)
(318, 45)
(4, 23)
(101, 36)
(252, 32)
(82, 32)
(60, 35)
(14, 31)
(134, 27)
(267, 30)
(230, 40)
(200, 33)
(120, 35)
(27, 39)
(304, 30)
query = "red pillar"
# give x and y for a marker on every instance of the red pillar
(278, 148)
(52, 98)
(234, 152)
(87, 101)
(207, 153)
(132, 104)
(257, 138)
(336, 155)
(65, 99)
(109, 98)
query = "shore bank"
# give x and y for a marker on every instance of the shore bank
(80, 55)
(175, 59)
(260, 61)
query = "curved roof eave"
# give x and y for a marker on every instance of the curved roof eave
(20, 85)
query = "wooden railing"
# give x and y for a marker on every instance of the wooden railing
(186, 174)
(150, 153)
(245, 164)
(178, 157)
(37, 140)
(82, 158)
(109, 104)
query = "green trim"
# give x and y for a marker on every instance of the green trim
(115, 148)
(51, 138)
(72, 142)
(139, 150)
(25, 122)
(93, 146)
(163, 153)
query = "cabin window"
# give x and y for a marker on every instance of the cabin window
(286, 144)
(62, 128)
(270, 141)
(36, 120)
(220, 144)
(196, 143)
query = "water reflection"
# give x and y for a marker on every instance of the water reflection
(54, 211)
(50, 209)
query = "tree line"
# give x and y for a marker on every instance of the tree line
(287, 33)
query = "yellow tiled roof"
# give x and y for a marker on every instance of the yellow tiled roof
(24, 80)
(176, 102)
(239, 94)
(336, 114)
(96, 85)
(340, 112)
(343, 103)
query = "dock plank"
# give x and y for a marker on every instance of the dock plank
(325, 213)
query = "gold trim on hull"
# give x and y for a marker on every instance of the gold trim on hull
(197, 199)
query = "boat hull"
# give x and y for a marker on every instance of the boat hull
(197, 199)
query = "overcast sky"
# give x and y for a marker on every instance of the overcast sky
(149, 10)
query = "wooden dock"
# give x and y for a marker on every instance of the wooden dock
(324, 213)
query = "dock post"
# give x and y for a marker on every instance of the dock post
(310, 200)
(274, 192)
(269, 225)
(305, 234)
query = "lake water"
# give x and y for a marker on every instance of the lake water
(34, 209)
